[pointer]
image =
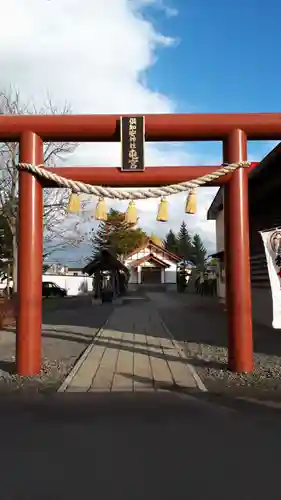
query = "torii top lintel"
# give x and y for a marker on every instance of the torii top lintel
(163, 127)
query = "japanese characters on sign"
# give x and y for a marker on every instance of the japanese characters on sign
(132, 143)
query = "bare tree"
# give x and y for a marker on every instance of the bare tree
(55, 200)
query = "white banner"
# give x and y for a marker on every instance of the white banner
(272, 245)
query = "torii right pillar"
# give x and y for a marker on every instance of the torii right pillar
(237, 257)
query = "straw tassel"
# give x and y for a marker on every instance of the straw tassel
(131, 213)
(101, 213)
(162, 215)
(74, 205)
(190, 206)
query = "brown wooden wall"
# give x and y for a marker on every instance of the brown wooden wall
(265, 213)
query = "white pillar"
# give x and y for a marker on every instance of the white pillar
(139, 275)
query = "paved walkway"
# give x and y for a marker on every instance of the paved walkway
(132, 353)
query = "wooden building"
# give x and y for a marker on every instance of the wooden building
(108, 274)
(264, 213)
(153, 265)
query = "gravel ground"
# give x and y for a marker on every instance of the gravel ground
(199, 325)
(211, 365)
(52, 375)
(67, 331)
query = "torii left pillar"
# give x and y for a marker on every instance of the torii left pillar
(30, 245)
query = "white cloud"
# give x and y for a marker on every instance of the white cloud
(95, 58)
(158, 4)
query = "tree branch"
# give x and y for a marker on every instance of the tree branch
(11, 104)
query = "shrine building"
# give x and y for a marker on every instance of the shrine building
(152, 265)
(264, 213)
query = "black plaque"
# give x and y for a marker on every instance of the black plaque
(132, 143)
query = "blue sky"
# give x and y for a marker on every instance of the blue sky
(226, 60)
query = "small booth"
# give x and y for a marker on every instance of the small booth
(110, 276)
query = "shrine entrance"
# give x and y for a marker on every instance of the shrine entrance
(233, 130)
(151, 275)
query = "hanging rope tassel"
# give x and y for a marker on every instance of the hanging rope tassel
(131, 213)
(101, 213)
(162, 215)
(190, 206)
(74, 205)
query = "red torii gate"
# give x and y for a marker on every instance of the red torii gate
(232, 129)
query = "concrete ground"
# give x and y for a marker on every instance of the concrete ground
(136, 444)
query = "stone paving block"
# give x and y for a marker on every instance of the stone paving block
(143, 378)
(153, 344)
(167, 344)
(111, 335)
(140, 341)
(128, 340)
(133, 354)
(123, 377)
(83, 378)
(181, 375)
(104, 376)
(161, 372)
(170, 352)
(160, 369)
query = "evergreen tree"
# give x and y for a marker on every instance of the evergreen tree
(171, 242)
(117, 235)
(199, 252)
(184, 242)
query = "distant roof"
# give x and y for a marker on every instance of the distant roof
(217, 255)
(151, 243)
(258, 173)
(105, 261)
(148, 258)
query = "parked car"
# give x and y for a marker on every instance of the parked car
(50, 289)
